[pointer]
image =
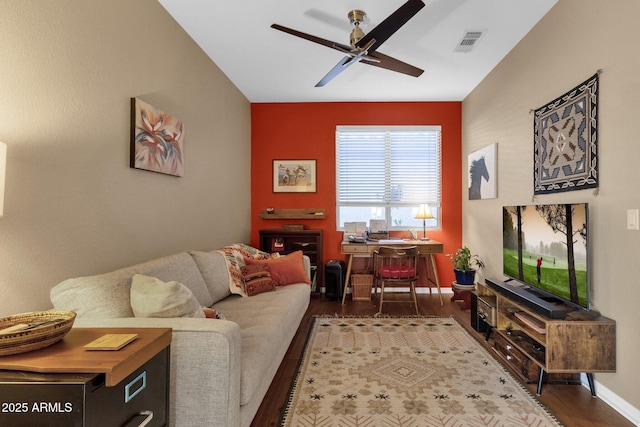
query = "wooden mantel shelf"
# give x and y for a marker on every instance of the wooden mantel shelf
(293, 214)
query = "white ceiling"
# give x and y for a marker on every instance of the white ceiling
(271, 66)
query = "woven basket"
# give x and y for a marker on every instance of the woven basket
(43, 329)
(361, 286)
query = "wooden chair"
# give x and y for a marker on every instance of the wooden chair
(395, 266)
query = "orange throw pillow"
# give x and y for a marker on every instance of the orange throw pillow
(285, 270)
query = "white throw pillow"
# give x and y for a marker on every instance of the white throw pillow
(151, 297)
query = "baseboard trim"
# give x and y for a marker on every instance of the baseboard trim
(426, 290)
(620, 405)
(418, 290)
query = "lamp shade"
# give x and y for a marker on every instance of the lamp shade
(3, 167)
(424, 212)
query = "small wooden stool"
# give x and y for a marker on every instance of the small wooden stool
(462, 293)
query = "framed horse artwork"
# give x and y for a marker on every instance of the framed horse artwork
(294, 176)
(483, 182)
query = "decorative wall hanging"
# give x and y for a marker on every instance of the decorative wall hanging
(482, 167)
(294, 176)
(565, 141)
(157, 140)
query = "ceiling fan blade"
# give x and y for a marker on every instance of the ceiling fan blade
(346, 62)
(389, 63)
(386, 28)
(324, 42)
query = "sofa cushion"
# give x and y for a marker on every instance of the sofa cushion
(268, 322)
(151, 297)
(257, 279)
(103, 296)
(285, 270)
(180, 268)
(214, 271)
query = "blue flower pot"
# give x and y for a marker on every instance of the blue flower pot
(465, 277)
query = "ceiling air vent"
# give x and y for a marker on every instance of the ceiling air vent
(469, 40)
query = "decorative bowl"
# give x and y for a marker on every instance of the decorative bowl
(25, 332)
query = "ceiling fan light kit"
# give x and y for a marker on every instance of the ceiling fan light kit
(363, 47)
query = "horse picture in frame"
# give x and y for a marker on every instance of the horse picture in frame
(483, 182)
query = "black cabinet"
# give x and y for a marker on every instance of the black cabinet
(307, 241)
(43, 399)
(64, 384)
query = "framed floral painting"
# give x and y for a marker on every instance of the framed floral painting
(157, 140)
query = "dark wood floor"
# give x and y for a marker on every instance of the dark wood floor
(571, 404)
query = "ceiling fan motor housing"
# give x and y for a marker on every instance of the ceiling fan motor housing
(356, 17)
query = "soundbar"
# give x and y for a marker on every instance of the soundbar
(550, 307)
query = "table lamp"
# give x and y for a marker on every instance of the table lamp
(424, 214)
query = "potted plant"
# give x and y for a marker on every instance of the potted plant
(463, 262)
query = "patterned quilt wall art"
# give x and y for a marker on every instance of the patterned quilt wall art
(566, 141)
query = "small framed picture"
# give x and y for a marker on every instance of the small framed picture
(483, 183)
(294, 176)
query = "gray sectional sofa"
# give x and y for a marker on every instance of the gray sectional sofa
(220, 369)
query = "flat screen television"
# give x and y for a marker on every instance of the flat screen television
(545, 249)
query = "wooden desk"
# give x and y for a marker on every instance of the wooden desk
(427, 249)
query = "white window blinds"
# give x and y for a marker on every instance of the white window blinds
(388, 166)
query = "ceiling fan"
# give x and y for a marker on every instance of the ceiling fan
(363, 47)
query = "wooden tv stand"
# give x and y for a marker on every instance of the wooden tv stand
(583, 342)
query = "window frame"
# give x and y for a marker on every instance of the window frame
(432, 196)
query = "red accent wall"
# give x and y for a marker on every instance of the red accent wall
(307, 131)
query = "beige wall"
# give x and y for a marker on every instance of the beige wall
(73, 206)
(573, 41)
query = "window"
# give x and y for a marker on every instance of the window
(386, 172)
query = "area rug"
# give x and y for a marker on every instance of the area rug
(409, 372)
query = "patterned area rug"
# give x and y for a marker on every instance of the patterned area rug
(409, 372)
